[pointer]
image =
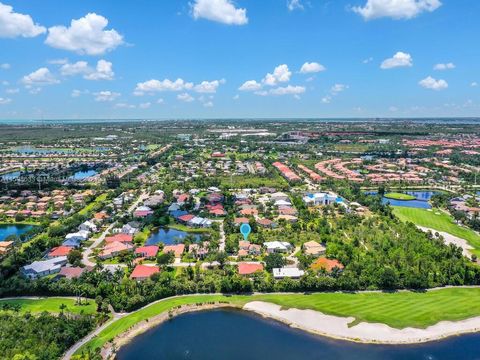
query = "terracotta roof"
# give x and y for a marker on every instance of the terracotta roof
(147, 251)
(60, 251)
(245, 268)
(143, 271)
(71, 272)
(126, 238)
(186, 217)
(327, 264)
(176, 249)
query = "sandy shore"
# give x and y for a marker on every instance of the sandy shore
(450, 239)
(337, 327)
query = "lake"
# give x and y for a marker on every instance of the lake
(81, 175)
(236, 335)
(11, 175)
(169, 236)
(421, 201)
(13, 229)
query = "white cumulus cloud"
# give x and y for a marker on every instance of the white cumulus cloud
(208, 87)
(395, 9)
(185, 97)
(433, 84)
(80, 67)
(312, 67)
(447, 66)
(288, 90)
(280, 74)
(107, 95)
(250, 85)
(222, 11)
(155, 85)
(14, 25)
(400, 59)
(42, 76)
(86, 35)
(103, 71)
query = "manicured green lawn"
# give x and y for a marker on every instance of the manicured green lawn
(188, 229)
(52, 304)
(438, 220)
(90, 206)
(399, 196)
(399, 310)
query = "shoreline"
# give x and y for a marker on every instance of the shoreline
(312, 322)
(111, 348)
(336, 327)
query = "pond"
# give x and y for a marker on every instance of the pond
(13, 229)
(82, 175)
(236, 335)
(10, 176)
(421, 201)
(169, 236)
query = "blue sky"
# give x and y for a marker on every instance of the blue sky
(242, 58)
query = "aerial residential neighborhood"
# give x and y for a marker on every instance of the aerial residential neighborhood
(239, 179)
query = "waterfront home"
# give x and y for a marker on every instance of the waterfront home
(247, 268)
(43, 268)
(288, 272)
(143, 272)
(113, 249)
(123, 238)
(176, 249)
(142, 212)
(59, 251)
(5, 247)
(313, 248)
(147, 252)
(277, 246)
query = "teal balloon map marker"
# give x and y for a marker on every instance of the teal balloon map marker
(245, 229)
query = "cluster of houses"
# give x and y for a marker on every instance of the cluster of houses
(38, 204)
(464, 204)
(56, 258)
(286, 172)
(217, 165)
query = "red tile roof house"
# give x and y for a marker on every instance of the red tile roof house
(59, 251)
(123, 238)
(241, 220)
(218, 212)
(147, 252)
(71, 272)
(176, 249)
(113, 249)
(143, 272)
(184, 219)
(245, 268)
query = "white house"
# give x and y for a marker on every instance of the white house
(88, 226)
(290, 272)
(277, 246)
(43, 268)
(320, 199)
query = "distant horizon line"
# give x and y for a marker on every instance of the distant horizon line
(367, 119)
